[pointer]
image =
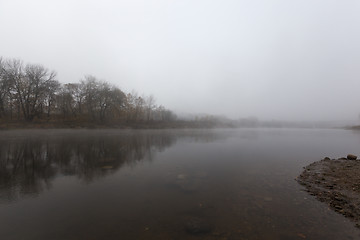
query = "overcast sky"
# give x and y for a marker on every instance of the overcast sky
(292, 60)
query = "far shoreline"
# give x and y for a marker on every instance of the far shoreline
(126, 126)
(145, 125)
(357, 127)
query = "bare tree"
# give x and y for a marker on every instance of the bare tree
(139, 108)
(13, 74)
(51, 88)
(90, 85)
(118, 101)
(3, 88)
(65, 102)
(71, 99)
(32, 91)
(130, 106)
(110, 99)
(150, 106)
(30, 86)
(103, 99)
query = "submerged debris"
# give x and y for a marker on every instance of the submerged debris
(190, 183)
(107, 167)
(197, 226)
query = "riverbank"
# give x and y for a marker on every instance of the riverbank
(335, 182)
(118, 125)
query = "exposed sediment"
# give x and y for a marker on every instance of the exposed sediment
(335, 182)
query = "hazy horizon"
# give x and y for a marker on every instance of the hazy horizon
(286, 60)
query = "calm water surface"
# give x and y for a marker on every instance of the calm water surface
(117, 184)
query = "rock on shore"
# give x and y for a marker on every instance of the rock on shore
(351, 157)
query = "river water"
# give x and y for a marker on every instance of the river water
(136, 184)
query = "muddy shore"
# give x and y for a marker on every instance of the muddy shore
(336, 183)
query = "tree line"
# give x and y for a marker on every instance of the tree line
(31, 92)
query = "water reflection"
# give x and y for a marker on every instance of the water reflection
(30, 160)
(28, 165)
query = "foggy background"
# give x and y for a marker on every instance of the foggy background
(284, 60)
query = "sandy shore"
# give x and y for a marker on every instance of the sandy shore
(337, 183)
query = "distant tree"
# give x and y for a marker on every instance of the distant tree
(78, 94)
(65, 103)
(135, 107)
(139, 109)
(12, 76)
(4, 88)
(130, 106)
(102, 99)
(168, 116)
(89, 85)
(117, 102)
(150, 106)
(51, 89)
(71, 99)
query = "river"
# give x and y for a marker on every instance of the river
(157, 184)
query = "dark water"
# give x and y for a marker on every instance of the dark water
(115, 184)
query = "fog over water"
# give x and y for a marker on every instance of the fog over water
(288, 60)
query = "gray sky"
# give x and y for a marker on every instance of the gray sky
(292, 60)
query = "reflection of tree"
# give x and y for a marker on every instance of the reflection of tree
(24, 168)
(28, 166)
